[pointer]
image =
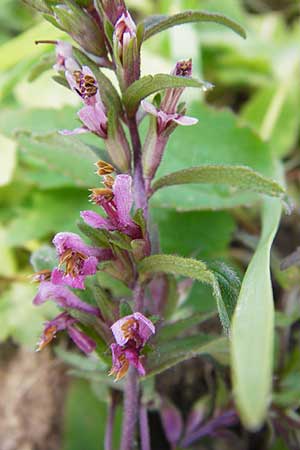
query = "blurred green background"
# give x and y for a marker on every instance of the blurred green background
(253, 117)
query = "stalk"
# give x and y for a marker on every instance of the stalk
(130, 412)
(144, 429)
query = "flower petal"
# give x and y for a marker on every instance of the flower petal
(96, 221)
(84, 342)
(80, 130)
(123, 198)
(62, 297)
(185, 120)
(149, 108)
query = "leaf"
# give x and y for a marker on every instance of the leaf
(68, 157)
(44, 258)
(272, 112)
(205, 233)
(156, 24)
(150, 84)
(170, 353)
(253, 328)
(7, 159)
(240, 177)
(172, 330)
(49, 213)
(218, 138)
(191, 268)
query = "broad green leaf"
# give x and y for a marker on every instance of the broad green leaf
(174, 329)
(50, 212)
(239, 177)
(67, 157)
(205, 233)
(156, 24)
(150, 84)
(44, 258)
(253, 328)
(218, 138)
(272, 111)
(170, 353)
(191, 268)
(7, 159)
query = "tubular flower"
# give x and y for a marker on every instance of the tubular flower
(116, 200)
(65, 322)
(131, 334)
(76, 260)
(165, 119)
(134, 327)
(125, 30)
(63, 298)
(122, 358)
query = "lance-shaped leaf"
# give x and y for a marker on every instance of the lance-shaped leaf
(191, 268)
(150, 84)
(172, 330)
(253, 328)
(156, 24)
(240, 177)
(170, 353)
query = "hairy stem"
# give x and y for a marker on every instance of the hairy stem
(144, 429)
(130, 411)
(138, 297)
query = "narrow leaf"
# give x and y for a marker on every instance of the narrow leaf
(150, 84)
(175, 351)
(240, 177)
(253, 328)
(156, 24)
(172, 330)
(191, 268)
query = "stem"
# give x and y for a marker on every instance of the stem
(130, 409)
(138, 297)
(110, 423)
(144, 429)
(138, 179)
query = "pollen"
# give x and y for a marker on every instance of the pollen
(73, 261)
(87, 85)
(98, 194)
(129, 328)
(104, 168)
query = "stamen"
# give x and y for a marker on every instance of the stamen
(72, 261)
(109, 181)
(42, 275)
(104, 168)
(48, 336)
(99, 194)
(184, 68)
(87, 86)
(129, 328)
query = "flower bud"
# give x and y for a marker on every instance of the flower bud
(126, 50)
(171, 421)
(113, 9)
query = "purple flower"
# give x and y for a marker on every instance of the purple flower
(63, 298)
(117, 203)
(84, 83)
(64, 57)
(165, 119)
(135, 327)
(65, 322)
(122, 358)
(78, 259)
(172, 421)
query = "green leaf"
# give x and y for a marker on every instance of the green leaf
(156, 24)
(7, 159)
(218, 138)
(150, 84)
(191, 268)
(97, 236)
(272, 112)
(239, 177)
(205, 233)
(44, 258)
(67, 157)
(253, 328)
(172, 330)
(170, 353)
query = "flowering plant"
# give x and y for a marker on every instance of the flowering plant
(136, 337)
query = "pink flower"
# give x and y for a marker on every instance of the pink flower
(64, 57)
(117, 203)
(122, 358)
(84, 83)
(135, 327)
(78, 259)
(65, 322)
(63, 298)
(165, 119)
